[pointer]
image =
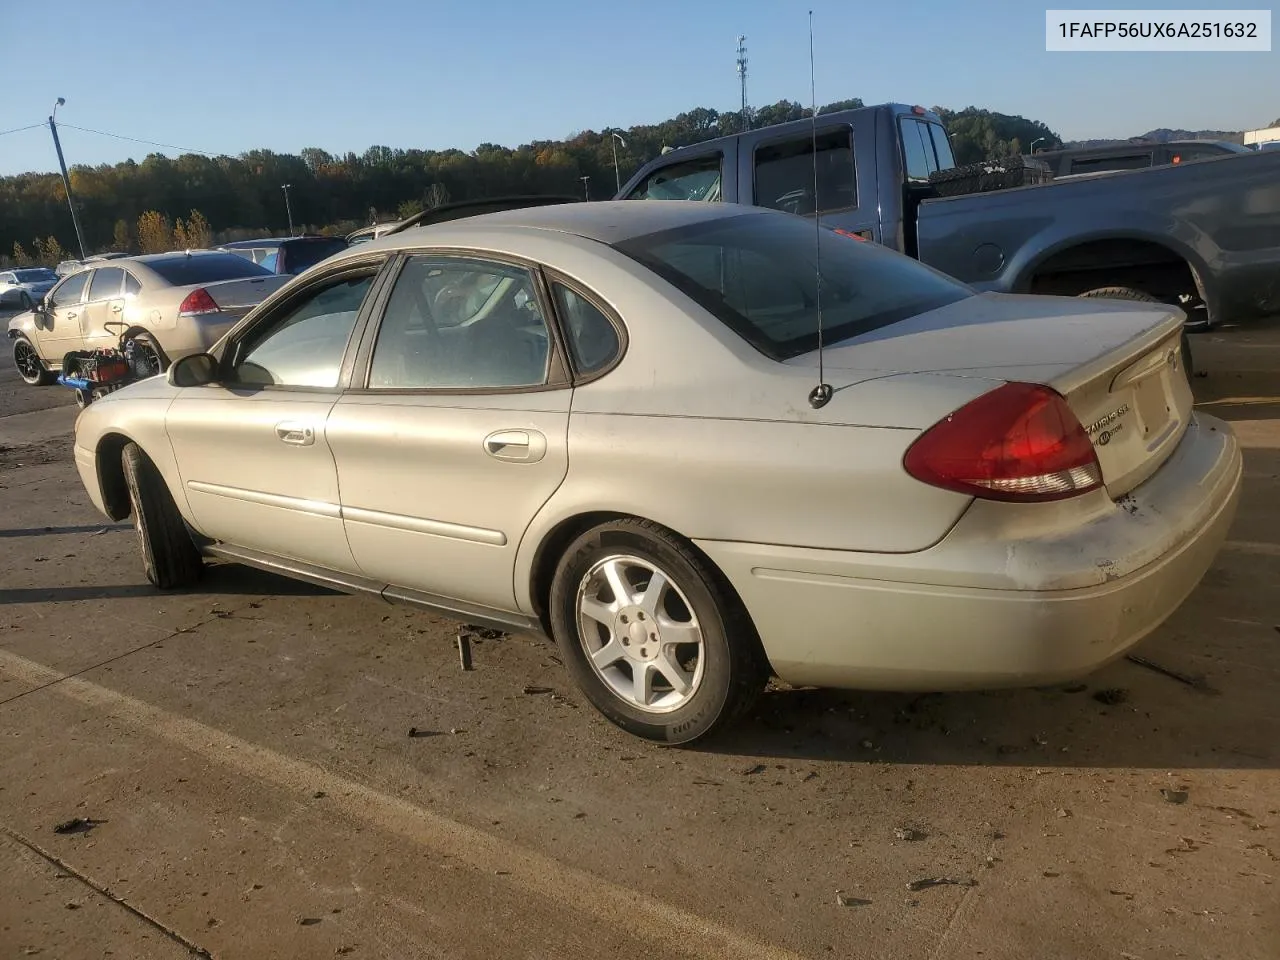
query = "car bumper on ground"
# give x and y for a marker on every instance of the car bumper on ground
(985, 608)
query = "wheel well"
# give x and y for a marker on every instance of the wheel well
(551, 550)
(115, 495)
(1142, 264)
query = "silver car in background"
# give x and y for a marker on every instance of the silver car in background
(169, 304)
(22, 289)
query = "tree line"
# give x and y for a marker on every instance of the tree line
(195, 200)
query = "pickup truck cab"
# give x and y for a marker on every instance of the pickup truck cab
(1204, 235)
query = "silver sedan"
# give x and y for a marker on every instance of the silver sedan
(611, 423)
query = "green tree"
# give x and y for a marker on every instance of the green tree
(120, 238)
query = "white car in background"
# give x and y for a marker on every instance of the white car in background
(603, 421)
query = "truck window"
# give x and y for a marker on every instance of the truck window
(786, 173)
(695, 179)
(941, 146)
(917, 149)
(1126, 161)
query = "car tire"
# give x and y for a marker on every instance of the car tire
(147, 359)
(31, 368)
(169, 556)
(1141, 296)
(673, 691)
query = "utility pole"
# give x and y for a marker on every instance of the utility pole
(288, 209)
(66, 180)
(616, 175)
(742, 80)
(586, 190)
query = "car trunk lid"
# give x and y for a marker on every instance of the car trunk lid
(237, 297)
(1118, 364)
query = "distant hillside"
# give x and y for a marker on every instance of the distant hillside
(1164, 134)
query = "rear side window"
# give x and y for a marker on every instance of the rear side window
(917, 149)
(106, 283)
(1127, 161)
(787, 173)
(757, 273)
(696, 179)
(301, 255)
(131, 285)
(593, 341)
(941, 145)
(183, 271)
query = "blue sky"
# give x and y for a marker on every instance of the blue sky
(228, 77)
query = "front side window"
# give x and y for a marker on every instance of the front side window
(788, 173)
(69, 291)
(106, 283)
(304, 347)
(696, 179)
(456, 323)
(758, 274)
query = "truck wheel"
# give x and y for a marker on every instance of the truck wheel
(169, 557)
(1132, 293)
(30, 367)
(653, 634)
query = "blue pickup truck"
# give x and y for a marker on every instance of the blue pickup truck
(1204, 235)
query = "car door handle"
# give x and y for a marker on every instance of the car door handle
(298, 434)
(518, 446)
(116, 308)
(71, 316)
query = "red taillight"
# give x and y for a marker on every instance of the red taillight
(1019, 442)
(198, 301)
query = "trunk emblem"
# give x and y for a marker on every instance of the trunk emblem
(1106, 421)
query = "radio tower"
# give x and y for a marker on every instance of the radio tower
(742, 80)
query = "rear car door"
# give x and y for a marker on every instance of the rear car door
(454, 432)
(252, 449)
(101, 315)
(57, 330)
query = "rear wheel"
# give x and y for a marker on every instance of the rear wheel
(30, 367)
(146, 359)
(653, 634)
(169, 557)
(1132, 293)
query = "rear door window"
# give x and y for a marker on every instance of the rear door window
(694, 179)
(106, 283)
(788, 172)
(917, 149)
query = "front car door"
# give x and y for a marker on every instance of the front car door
(57, 330)
(454, 432)
(252, 449)
(101, 315)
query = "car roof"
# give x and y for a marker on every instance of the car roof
(608, 221)
(272, 242)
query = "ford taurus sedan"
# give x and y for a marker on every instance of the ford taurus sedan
(611, 423)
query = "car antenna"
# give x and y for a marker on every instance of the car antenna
(820, 395)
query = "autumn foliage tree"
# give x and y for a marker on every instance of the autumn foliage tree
(192, 233)
(155, 235)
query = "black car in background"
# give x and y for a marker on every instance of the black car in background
(289, 255)
(1135, 155)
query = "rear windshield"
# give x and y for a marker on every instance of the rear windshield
(299, 255)
(38, 275)
(184, 271)
(757, 274)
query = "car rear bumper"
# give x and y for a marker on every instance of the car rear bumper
(986, 607)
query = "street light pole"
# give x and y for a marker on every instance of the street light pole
(66, 180)
(586, 190)
(1033, 144)
(613, 142)
(287, 208)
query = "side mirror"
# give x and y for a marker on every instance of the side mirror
(197, 370)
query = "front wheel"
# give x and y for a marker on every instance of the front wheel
(1141, 296)
(653, 634)
(30, 367)
(169, 557)
(145, 357)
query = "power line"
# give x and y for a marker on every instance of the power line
(152, 143)
(30, 126)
